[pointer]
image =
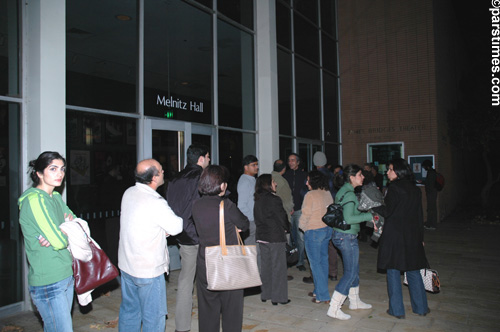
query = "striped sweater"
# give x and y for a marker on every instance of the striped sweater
(41, 214)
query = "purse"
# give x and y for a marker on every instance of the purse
(231, 267)
(94, 273)
(334, 216)
(430, 278)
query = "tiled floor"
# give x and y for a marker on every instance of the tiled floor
(465, 254)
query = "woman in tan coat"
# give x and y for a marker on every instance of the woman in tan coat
(317, 234)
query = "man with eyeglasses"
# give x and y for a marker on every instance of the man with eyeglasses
(246, 189)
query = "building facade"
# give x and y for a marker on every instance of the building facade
(109, 83)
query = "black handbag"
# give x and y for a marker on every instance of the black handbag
(292, 255)
(334, 216)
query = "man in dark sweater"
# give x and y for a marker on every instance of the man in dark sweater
(297, 178)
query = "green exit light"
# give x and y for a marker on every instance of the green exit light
(169, 114)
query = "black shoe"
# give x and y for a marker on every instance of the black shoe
(276, 303)
(264, 301)
(398, 317)
(301, 267)
(289, 278)
(332, 278)
(308, 280)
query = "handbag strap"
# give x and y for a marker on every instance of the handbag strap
(341, 198)
(222, 233)
(83, 229)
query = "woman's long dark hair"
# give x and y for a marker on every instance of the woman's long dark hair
(263, 185)
(350, 170)
(402, 169)
(40, 164)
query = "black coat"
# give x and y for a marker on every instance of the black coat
(182, 191)
(271, 219)
(401, 244)
(206, 219)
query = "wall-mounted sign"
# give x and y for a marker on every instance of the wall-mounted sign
(179, 104)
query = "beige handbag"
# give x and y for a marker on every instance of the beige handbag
(231, 267)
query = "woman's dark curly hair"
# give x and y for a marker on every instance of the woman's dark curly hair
(318, 180)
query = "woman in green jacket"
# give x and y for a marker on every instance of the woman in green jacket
(347, 242)
(50, 275)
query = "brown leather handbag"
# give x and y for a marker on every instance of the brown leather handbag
(94, 273)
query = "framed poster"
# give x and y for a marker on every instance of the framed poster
(415, 163)
(79, 167)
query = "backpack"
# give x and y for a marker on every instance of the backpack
(439, 184)
(334, 216)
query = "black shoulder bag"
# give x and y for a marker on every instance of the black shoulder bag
(334, 216)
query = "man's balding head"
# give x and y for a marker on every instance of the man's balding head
(150, 172)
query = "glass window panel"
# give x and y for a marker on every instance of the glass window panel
(330, 108)
(101, 54)
(207, 3)
(307, 91)
(329, 53)
(9, 48)
(306, 39)
(332, 154)
(11, 239)
(101, 157)
(285, 105)
(240, 11)
(235, 77)
(283, 26)
(233, 146)
(177, 62)
(305, 156)
(285, 148)
(308, 8)
(328, 17)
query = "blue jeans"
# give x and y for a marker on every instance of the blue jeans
(416, 288)
(297, 236)
(144, 300)
(348, 246)
(54, 303)
(316, 241)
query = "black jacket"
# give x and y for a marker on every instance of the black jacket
(182, 191)
(206, 218)
(401, 244)
(297, 181)
(271, 219)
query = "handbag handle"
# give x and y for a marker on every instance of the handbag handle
(222, 233)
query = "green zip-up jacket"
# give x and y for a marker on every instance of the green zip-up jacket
(352, 215)
(41, 214)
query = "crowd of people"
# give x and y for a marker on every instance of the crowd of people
(273, 210)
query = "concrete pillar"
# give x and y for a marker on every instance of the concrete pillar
(267, 85)
(44, 114)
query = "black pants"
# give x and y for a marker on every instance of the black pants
(214, 304)
(431, 208)
(273, 272)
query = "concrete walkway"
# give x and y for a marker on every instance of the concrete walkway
(465, 254)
